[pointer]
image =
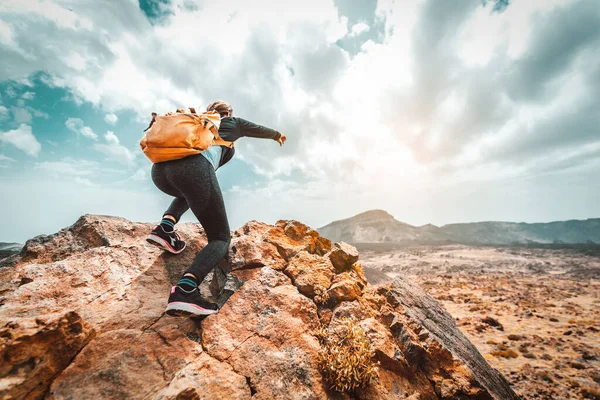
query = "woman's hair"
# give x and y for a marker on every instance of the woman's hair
(221, 107)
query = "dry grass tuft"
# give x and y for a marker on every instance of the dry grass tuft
(590, 392)
(346, 356)
(505, 353)
(321, 295)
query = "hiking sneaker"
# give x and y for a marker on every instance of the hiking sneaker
(168, 241)
(183, 303)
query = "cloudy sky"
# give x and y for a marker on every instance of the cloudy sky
(436, 111)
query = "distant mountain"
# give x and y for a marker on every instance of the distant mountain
(378, 226)
(570, 232)
(8, 249)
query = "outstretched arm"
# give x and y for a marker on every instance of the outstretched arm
(258, 131)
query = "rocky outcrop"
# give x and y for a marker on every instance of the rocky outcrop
(82, 317)
(435, 325)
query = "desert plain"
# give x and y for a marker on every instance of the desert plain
(533, 313)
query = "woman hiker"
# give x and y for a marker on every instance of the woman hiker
(193, 182)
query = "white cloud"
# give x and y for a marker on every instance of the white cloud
(88, 132)
(7, 35)
(76, 125)
(10, 92)
(69, 167)
(115, 151)
(5, 158)
(111, 119)
(140, 175)
(359, 28)
(3, 112)
(111, 138)
(21, 115)
(83, 181)
(38, 113)
(28, 96)
(23, 139)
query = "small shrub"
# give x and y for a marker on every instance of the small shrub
(505, 353)
(321, 295)
(573, 383)
(589, 392)
(524, 348)
(492, 322)
(502, 346)
(577, 365)
(345, 357)
(545, 376)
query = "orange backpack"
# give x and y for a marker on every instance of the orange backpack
(176, 135)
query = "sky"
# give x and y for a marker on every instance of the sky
(435, 111)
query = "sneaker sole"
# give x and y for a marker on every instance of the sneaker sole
(163, 244)
(180, 309)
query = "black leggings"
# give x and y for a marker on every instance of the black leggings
(193, 182)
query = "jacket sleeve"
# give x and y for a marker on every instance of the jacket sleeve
(251, 129)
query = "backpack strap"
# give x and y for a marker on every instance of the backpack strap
(152, 121)
(221, 142)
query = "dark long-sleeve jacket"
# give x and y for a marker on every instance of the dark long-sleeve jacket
(233, 128)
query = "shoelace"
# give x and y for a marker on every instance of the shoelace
(176, 236)
(174, 233)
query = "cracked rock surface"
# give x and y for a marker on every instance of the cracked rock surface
(81, 316)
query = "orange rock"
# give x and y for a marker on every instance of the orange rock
(391, 386)
(34, 350)
(325, 316)
(372, 302)
(264, 332)
(303, 233)
(291, 237)
(310, 273)
(386, 350)
(359, 274)
(343, 256)
(125, 363)
(250, 250)
(206, 378)
(349, 309)
(346, 286)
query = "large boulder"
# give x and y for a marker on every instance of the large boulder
(83, 317)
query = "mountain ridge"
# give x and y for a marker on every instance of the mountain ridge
(378, 226)
(7, 249)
